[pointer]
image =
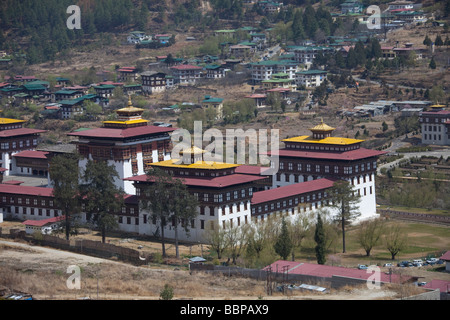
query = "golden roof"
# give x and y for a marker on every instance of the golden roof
(211, 165)
(328, 140)
(8, 121)
(130, 108)
(322, 127)
(192, 150)
(127, 122)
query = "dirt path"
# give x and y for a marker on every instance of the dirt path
(42, 272)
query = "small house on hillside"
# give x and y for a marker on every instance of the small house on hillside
(45, 226)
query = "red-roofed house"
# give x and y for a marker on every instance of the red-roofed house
(44, 226)
(446, 258)
(435, 125)
(14, 139)
(337, 276)
(186, 73)
(126, 74)
(30, 162)
(442, 285)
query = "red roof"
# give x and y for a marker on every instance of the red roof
(19, 132)
(325, 271)
(246, 169)
(32, 154)
(291, 190)
(357, 154)
(436, 112)
(26, 190)
(14, 182)
(212, 182)
(446, 256)
(127, 69)
(442, 285)
(121, 133)
(41, 223)
(186, 67)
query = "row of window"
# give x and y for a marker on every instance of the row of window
(34, 211)
(27, 201)
(21, 144)
(321, 147)
(327, 168)
(228, 196)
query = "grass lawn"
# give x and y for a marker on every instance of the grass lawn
(423, 240)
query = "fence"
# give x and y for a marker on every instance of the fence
(83, 246)
(434, 218)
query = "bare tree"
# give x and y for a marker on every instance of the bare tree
(395, 240)
(369, 233)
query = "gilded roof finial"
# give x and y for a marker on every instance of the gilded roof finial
(129, 101)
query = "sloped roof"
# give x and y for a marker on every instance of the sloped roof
(291, 190)
(325, 271)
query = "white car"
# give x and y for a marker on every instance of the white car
(388, 265)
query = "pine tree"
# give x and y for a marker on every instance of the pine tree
(283, 245)
(345, 199)
(102, 198)
(438, 41)
(432, 63)
(427, 41)
(319, 238)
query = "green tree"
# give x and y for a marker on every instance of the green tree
(345, 200)
(166, 293)
(432, 64)
(101, 197)
(319, 238)
(438, 41)
(427, 41)
(64, 175)
(297, 27)
(156, 198)
(183, 207)
(283, 245)
(384, 126)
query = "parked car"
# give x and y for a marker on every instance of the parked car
(388, 265)
(362, 267)
(432, 261)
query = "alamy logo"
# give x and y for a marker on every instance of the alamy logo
(74, 281)
(374, 280)
(74, 21)
(236, 141)
(374, 20)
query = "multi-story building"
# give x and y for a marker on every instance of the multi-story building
(306, 55)
(186, 74)
(307, 158)
(128, 143)
(263, 70)
(153, 82)
(215, 71)
(14, 138)
(126, 74)
(435, 125)
(351, 6)
(310, 78)
(224, 196)
(215, 104)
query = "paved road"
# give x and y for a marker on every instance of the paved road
(407, 155)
